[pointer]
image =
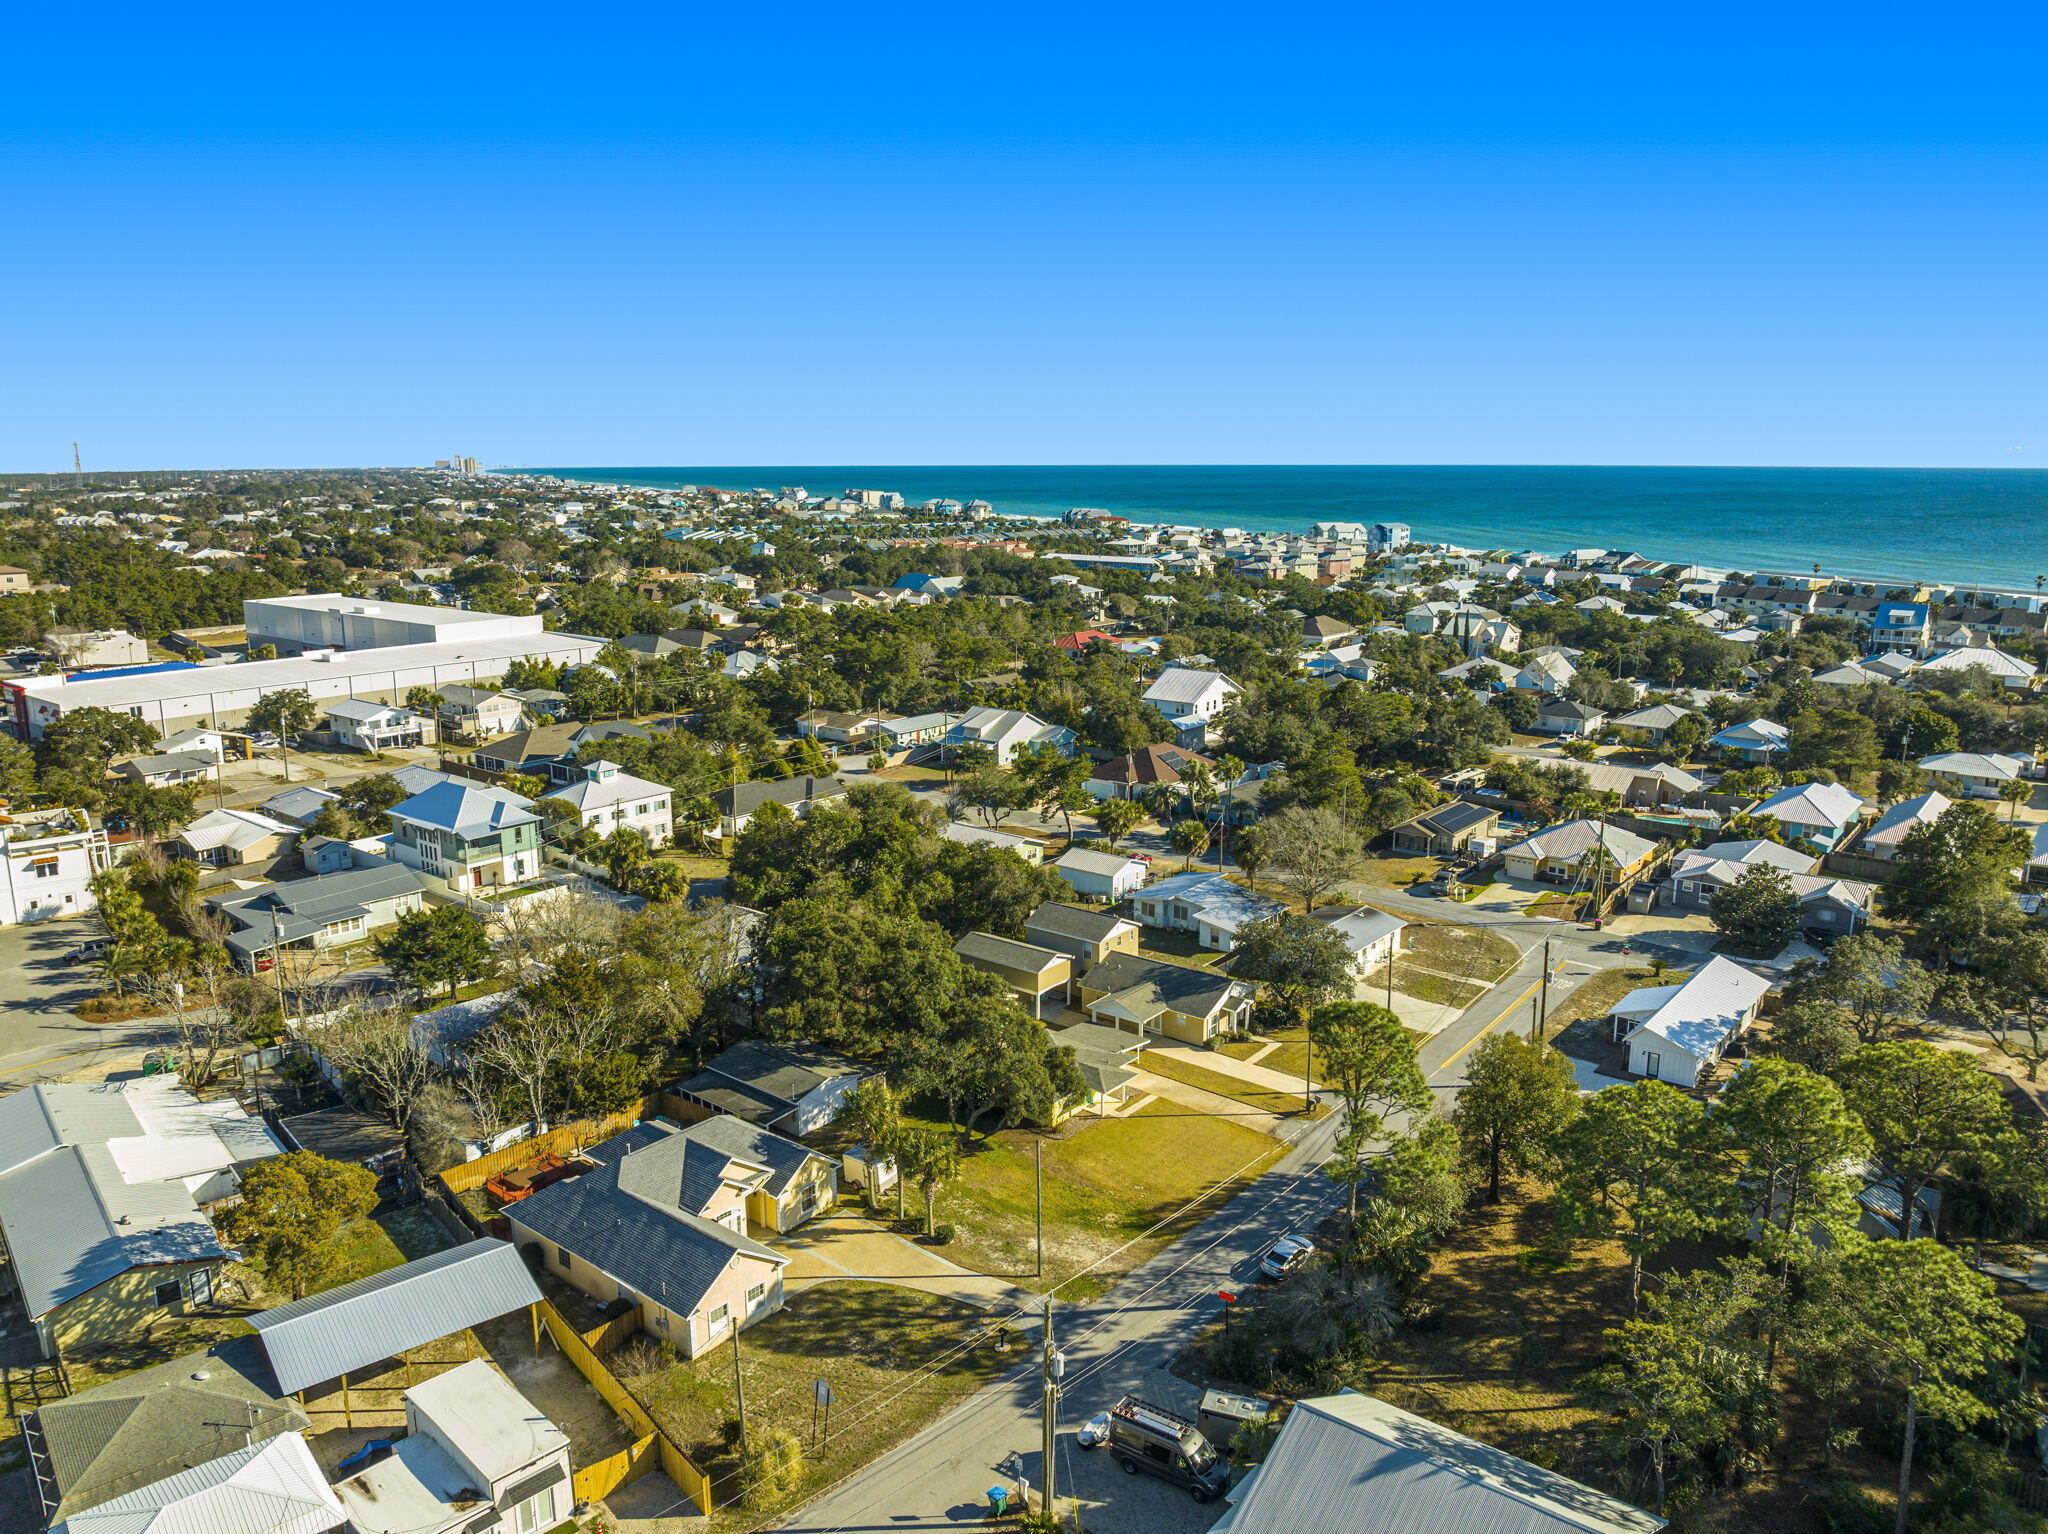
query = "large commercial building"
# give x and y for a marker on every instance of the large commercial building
(178, 696)
(354, 623)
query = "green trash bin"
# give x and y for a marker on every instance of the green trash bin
(999, 1500)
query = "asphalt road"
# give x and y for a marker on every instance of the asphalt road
(1126, 1342)
(39, 1036)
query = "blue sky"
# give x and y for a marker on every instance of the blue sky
(1046, 234)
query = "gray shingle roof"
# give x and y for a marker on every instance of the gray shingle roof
(736, 1137)
(783, 1073)
(326, 1335)
(1008, 952)
(142, 1427)
(654, 1248)
(1148, 983)
(1072, 921)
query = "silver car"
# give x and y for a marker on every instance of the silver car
(1286, 1254)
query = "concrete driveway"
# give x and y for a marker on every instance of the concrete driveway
(837, 1247)
(1503, 897)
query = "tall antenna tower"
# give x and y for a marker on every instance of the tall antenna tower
(77, 468)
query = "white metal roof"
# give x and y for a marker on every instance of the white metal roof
(274, 1487)
(475, 1411)
(1699, 1015)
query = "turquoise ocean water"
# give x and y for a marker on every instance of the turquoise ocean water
(1974, 526)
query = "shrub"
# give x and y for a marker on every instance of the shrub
(942, 1233)
(771, 1464)
(1846, 1508)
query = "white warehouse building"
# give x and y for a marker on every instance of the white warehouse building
(332, 621)
(179, 696)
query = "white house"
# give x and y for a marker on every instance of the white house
(612, 799)
(1207, 905)
(1675, 1033)
(1757, 741)
(1184, 694)
(363, 725)
(1890, 830)
(1973, 774)
(1005, 731)
(471, 1441)
(1100, 875)
(49, 858)
(960, 831)
(1372, 936)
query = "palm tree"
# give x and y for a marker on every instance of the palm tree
(2015, 793)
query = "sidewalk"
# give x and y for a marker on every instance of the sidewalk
(1224, 1065)
(1207, 1102)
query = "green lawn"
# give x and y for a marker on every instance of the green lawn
(1174, 1068)
(1459, 950)
(1396, 871)
(1410, 981)
(896, 1360)
(1597, 996)
(365, 1247)
(695, 865)
(1175, 948)
(1106, 1185)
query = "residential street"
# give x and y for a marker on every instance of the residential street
(1125, 1342)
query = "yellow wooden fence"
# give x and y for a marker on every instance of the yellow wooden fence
(595, 1482)
(559, 1141)
(693, 1482)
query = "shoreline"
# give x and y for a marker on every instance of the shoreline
(1487, 529)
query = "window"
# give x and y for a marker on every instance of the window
(755, 1294)
(720, 1314)
(168, 1294)
(536, 1512)
(45, 868)
(562, 1257)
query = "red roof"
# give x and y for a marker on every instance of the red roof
(1080, 639)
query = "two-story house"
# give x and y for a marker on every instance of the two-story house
(1822, 813)
(362, 725)
(1005, 731)
(466, 837)
(476, 1457)
(659, 1223)
(611, 799)
(478, 713)
(1190, 700)
(549, 751)
(47, 861)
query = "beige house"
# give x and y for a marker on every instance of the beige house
(234, 839)
(1177, 1001)
(1033, 973)
(659, 1222)
(1569, 853)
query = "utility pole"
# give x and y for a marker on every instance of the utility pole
(277, 962)
(77, 470)
(739, 1388)
(1543, 1011)
(1054, 1368)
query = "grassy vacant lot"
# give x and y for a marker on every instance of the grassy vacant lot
(1106, 1185)
(1396, 871)
(1459, 950)
(1175, 948)
(1176, 1068)
(695, 865)
(897, 1360)
(1424, 986)
(365, 1247)
(1290, 1058)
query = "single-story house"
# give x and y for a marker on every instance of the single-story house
(1322, 633)
(739, 804)
(1675, 1033)
(1208, 905)
(1177, 1000)
(471, 1441)
(233, 839)
(1826, 904)
(1147, 767)
(1030, 850)
(1087, 937)
(299, 806)
(1559, 854)
(1005, 731)
(322, 912)
(1882, 840)
(361, 725)
(1757, 741)
(792, 1089)
(1446, 830)
(1100, 875)
(549, 751)
(2009, 670)
(171, 769)
(1033, 973)
(96, 1448)
(917, 730)
(1821, 812)
(270, 1487)
(1975, 774)
(1372, 936)
(1655, 721)
(104, 1190)
(659, 1224)
(1354, 1463)
(839, 729)
(1108, 1060)
(1657, 786)
(1561, 716)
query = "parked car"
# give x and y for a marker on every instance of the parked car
(89, 951)
(1285, 1255)
(263, 740)
(1093, 1433)
(1148, 1438)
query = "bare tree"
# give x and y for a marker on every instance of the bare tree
(530, 935)
(378, 1051)
(1312, 852)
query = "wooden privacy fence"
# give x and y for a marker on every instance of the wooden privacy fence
(595, 1482)
(634, 1461)
(559, 1141)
